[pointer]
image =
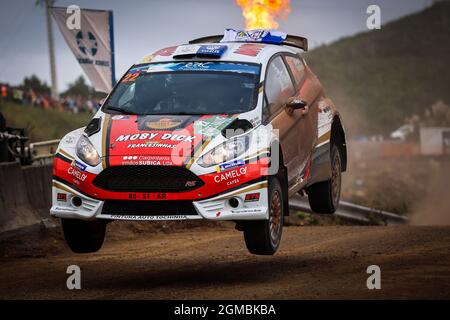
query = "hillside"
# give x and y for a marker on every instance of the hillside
(379, 78)
(42, 124)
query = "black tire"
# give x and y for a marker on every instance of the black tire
(84, 236)
(263, 237)
(324, 196)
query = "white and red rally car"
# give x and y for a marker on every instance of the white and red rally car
(223, 128)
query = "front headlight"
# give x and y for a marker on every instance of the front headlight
(86, 152)
(225, 152)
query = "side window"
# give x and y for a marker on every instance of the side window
(278, 84)
(297, 68)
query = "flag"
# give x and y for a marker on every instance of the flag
(92, 44)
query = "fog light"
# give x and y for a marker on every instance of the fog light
(233, 202)
(76, 201)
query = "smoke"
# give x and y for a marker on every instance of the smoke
(261, 14)
(433, 208)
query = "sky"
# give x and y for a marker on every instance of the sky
(144, 26)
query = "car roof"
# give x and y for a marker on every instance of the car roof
(236, 52)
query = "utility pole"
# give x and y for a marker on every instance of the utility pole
(51, 47)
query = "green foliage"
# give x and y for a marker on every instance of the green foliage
(80, 88)
(42, 124)
(33, 82)
(380, 78)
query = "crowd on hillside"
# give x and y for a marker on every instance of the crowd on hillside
(30, 96)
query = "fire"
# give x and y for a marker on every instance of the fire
(261, 14)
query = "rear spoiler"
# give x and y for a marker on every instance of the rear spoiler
(293, 41)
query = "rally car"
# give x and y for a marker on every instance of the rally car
(223, 128)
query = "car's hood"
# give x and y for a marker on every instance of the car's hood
(160, 135)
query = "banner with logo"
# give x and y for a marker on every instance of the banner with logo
(92, 43)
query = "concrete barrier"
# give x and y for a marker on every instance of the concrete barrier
(25, 195)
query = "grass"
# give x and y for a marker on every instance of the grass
(42, 124)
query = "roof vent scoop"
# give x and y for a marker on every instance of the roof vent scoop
(237, 127)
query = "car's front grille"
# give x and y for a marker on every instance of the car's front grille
(147, 179)
(148, 208)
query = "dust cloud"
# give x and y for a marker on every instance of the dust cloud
(434, 206)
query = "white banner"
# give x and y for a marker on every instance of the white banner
(92, 44)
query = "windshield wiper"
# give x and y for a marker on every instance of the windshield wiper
(123, 111)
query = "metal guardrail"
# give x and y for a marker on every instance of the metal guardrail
(43, 150)
(353, 212)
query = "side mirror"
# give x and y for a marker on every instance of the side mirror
(296, 103)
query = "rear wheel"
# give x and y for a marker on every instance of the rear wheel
(84, 236)
(263, 237)
(324, 196)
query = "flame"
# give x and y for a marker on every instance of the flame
(261, 14)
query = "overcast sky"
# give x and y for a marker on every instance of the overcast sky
(143, 26)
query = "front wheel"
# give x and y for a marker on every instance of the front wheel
(263, 237)
(84, 236)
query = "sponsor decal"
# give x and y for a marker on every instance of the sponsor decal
(212, 127)
(230, 165)
(147, 160)
(256, 121)
(79, 165)
(212, 50)
(166, 52)
(153, 135)
(167, 122)
(65, 209)
(190, 183)
(61, 197)
(69, 139)
(249, 49)
(201, 50)
(186, 50)
(204, 66)
(166, 217)
(163, 124)
(256, 210)
(76, 173)
(252, 197)
(120, 117)
(258, 35)
(151, 144)
(231, 176)
(147, 58)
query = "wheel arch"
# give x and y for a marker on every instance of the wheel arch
(282, 175)
(338, 138)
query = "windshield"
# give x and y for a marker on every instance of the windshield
(186, 88)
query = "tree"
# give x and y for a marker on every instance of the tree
(33, 82)
(79, 88)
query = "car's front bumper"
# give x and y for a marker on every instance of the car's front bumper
(252, 199)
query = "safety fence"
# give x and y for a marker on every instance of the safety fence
(353, 212)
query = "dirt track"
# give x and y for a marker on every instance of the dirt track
(312, 263)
